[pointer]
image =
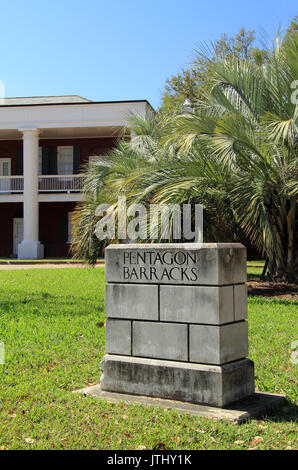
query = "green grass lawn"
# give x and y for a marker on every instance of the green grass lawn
(253, 273)
(257, 262)
(51, 321)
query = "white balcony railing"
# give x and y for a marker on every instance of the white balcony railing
(60, 183)
(11, 184)
(46, 183)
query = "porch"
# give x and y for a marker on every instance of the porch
(44, 146)
(46, 184)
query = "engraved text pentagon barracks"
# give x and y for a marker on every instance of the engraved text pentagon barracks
(179, 266)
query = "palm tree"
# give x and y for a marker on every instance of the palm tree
(118, 173)
(249, 122)
(151, 170)
(236, 154)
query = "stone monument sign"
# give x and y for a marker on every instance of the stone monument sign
(176, 322)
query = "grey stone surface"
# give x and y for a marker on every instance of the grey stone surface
(160, 340)
(195, 383)
(240, 302)
(185, 263)
(197, 304)
(176, 324)
(256, 405)
(218, 344)
(133, 301)
(118, 336)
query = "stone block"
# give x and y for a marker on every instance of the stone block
(196, 383)
(160, 340)
(218, 344)
(139, 302)
(197, 304)
(118, 336)
(240, 302)
(177, 263)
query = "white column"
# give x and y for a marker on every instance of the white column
(30, 248)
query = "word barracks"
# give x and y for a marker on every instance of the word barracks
(152, 265)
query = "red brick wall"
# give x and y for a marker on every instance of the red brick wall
(51, 214)
(8, 148)
(8, 211)
(52, 224)
(52, 219)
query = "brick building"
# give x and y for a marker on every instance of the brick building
(44, 144)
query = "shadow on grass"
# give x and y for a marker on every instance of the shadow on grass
(253, 277)
(287, 414)
(47, 304)
(285, 290)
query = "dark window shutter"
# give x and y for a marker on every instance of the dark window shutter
(45, 167)
(64, 227)
(53, 166)
(20, 161)
(76, 159)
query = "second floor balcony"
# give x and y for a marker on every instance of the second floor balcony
(46, 184)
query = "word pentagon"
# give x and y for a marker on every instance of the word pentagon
(160, 266)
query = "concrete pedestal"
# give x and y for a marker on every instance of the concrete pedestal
(176, 323)
(182, 381)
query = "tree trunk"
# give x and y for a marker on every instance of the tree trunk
(283, 263)
(290, 272)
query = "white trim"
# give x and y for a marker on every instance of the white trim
(53, 197)
(56, 197)
(69, 115)
(108, 136)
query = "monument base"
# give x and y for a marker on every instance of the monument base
(183, 381)
(254, 406)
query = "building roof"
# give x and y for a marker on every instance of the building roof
(60, 100)
(43, 100)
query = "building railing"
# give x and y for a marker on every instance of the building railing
(11, 184)
(60, 183)
(46, 183)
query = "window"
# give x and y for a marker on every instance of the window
(4, 171)
(65, 160)
(70, 228)
(18, 230)
(4, 166)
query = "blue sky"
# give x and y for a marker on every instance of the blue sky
(120, 49)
